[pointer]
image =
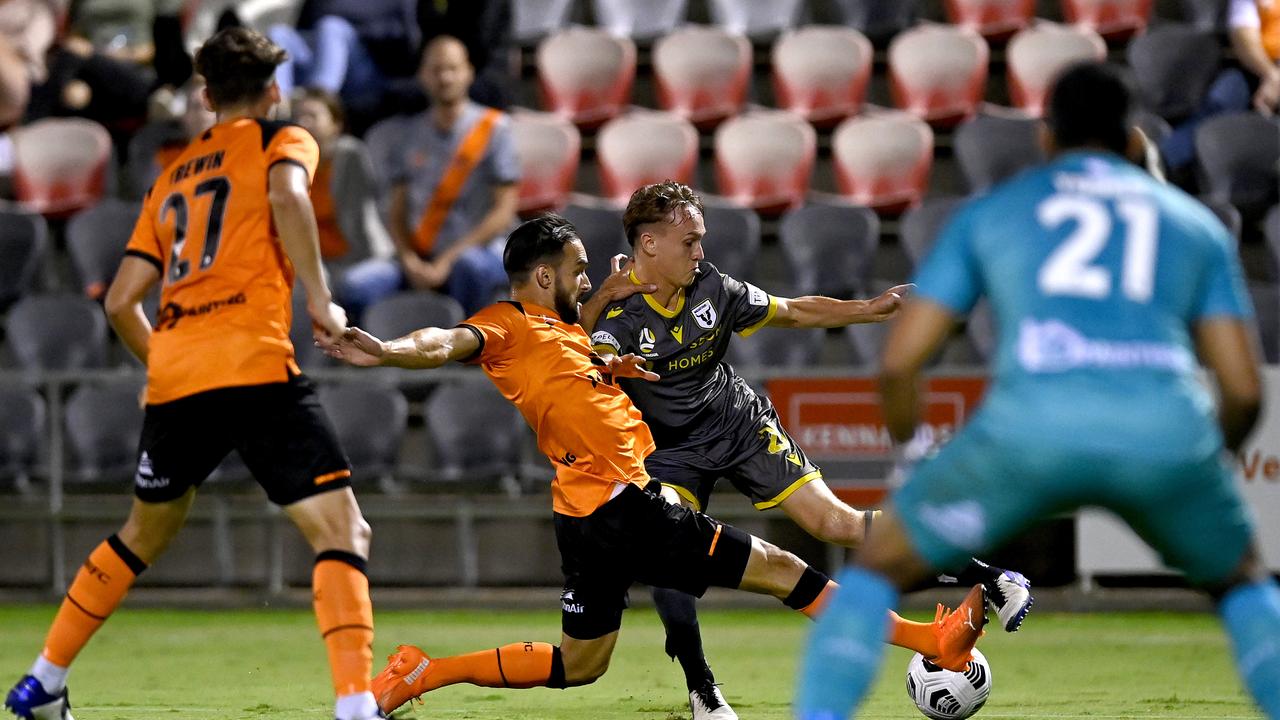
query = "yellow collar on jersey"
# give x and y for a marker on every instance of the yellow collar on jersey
(658, 307)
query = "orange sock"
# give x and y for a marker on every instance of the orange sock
(518, 665)
(912, 635)
(100, 585)
(812, 609)
(340, 591)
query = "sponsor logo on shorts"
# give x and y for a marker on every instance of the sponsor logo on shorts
(146, 478)
(568, 604)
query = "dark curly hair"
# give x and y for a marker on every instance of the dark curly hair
(535, 241)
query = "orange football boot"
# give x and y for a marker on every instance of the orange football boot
(958, 631)
(400, 681)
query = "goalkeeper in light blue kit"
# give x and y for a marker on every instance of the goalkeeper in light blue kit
(1105, 284)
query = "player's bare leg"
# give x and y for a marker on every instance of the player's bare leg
(99, 586)
(337, 532)
(824, 516)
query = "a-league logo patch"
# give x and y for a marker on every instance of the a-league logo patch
(705, 314)
(646, 340)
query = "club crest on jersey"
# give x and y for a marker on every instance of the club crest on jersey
(704, 313)
(646, 340)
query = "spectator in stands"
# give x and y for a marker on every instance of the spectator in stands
(484, 26)
(27, 30)
(1255, 39)
(342, 192)
(350, 48)
(453, 194)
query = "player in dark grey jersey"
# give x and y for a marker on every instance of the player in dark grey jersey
(707, 421)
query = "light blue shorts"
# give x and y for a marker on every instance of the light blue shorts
(979, 491)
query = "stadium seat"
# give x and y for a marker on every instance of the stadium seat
(301, 335)
(475, 433)
(821, 72)
(410, 310)
(764, 160)
(23, 245)
(645, 147)
(829, 249)
(141, 168)
(60, 164)
(585, 74)
(777, 348)
(879, 20)
(599, 224)
(938, 72)
(1238, 154)
(370, 420)
(702, 73)
(919, 226)
(1037, 54)
(532, 20)
(1266, 306)
(1207, 15)
(57, 331)
(549, 148)
(1228, 214)
(882, 161)
(102, 427)
(1112, 19)
(1271, 232)
(639, 21)
(22, 433)
(757, 19)
(1173, 65)
(990, 148)
(733, 237)
(993, 19)
(1152, 125)
(96, 238)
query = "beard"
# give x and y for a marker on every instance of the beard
(567, 307)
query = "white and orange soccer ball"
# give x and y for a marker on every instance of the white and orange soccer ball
(946, 695)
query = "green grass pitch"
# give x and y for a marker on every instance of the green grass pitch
(231, 665)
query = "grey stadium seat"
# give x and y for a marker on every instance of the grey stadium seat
(1173, 65)
(22, 433)
(59, 331)
(411, 310)
(475, 432)
(103, 423)
(992, 148)
(96, 239)
(830, 248)
(24, 241)
(1271, 231)
(600, 227)
(1238, 154)
(1266, 307)
(1227, 213)
(370, 420)
(777, 348)
(300, 333)
(879, 20)
(919, 227)
(732, 241)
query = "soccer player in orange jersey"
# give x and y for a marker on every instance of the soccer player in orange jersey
(223, 231)
(612, 526)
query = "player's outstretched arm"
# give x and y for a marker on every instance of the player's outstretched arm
(816, 311)
(123, 303)
(617, 286)
(1226, 347)
(290, 196)
(425, 348)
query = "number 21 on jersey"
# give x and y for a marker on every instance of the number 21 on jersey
(175, 209)
(1070, 268)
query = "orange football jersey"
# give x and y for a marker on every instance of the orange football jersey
(586, 425)
(226, 282)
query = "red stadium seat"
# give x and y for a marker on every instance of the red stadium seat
(585, 74)
(821, 72)
(938, 72)
(1112, 19)
(1036, 55)
(994, 19)
(645, 147)
(883, 160)
(549, 147)
(60, 164)
(702, 73)
(764, 160)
